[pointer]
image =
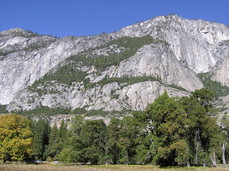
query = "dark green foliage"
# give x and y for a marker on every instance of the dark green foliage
(53, 147)
(58, 140)
(114, 144)
(131, 46)
(216, 87)
(68, 73)
(96, 113)
(54, 135)
(41, 139)
(78, 111)
(63, 130)
(88, 143)
(177, 87)
(169, 121)
(93, 137)
(3, 109)
(45, 111)
(5, 52)
(183, 131)
(127, 80)
(172, 131)
(65, 74)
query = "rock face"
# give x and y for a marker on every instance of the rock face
(25, 57)
(220, 72)
(194, 42)
(117, 71)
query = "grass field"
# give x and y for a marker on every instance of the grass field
(21, 167)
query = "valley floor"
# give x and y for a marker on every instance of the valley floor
(24, 167)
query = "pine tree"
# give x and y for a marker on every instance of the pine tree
(41, 139)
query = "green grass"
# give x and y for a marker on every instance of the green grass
(216, 87)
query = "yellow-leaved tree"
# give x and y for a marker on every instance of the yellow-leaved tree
(15, 138)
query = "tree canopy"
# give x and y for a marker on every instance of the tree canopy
(171, 131)
(15, 138)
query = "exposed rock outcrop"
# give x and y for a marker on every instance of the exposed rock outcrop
(129, 76)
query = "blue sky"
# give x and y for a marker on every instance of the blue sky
(89, 17)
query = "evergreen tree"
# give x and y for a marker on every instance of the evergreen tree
(72, 151)
(52, 149)
(41, 139)
(63, 131)
(114, 144)
(93, 137)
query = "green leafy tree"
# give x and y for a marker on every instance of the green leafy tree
(114, 146)
(203, 134)
(15, 138)
(87, 142)
(169, 120)
(143, 138)
(93, 137)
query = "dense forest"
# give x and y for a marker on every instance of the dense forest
(170, 132)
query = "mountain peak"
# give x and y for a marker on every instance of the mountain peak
(13, 30)
(18, 32)
(123, 70)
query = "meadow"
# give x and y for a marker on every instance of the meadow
(48, 167)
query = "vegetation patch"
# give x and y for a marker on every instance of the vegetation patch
(170, 132)
(177, 87)
(69, 73)
(65, 74)
(38, 45)
(216, 87)
(131, 45)
(44, 111)
(3, 109)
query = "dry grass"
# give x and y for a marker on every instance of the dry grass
(21, 167)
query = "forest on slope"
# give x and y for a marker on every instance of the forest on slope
(170, 132)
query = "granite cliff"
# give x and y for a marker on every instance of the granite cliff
(123, 70)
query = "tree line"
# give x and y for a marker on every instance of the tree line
(170, 132)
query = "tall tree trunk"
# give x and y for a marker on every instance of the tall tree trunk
(213, 159)
(223, 153)
(197, 146)
(188, 164)
(204, 164)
